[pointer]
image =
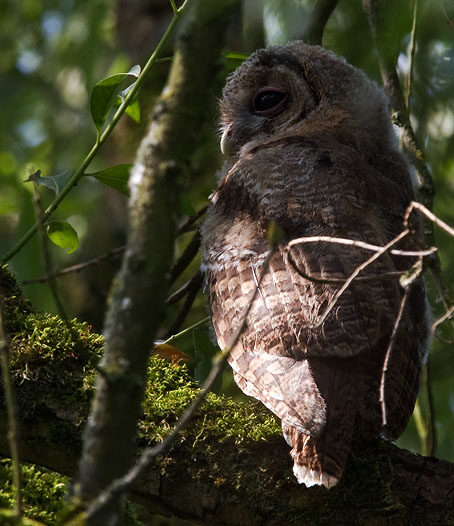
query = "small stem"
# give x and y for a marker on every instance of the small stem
(174, 7)
(13, 428)
(185, 331)
(77, 267)
(78, 174)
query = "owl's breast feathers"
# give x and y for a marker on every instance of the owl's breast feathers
(321, 379)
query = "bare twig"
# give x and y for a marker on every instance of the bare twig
(388, 354)
(119, 486)
(78, 267)
(354, 243)
(319, 279)
(13, 427)
(430, 215)
(448, 314)
(355, 273)
(361, 244)
(170, 339)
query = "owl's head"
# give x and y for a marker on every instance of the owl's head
(302, 90)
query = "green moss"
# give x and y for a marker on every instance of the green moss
(43, 492)
(170, 389)
(54, 359)
(15, 308)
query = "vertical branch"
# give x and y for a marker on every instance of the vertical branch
(401, 117)
(137, 302)
(13, 428)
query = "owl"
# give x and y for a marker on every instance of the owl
(311, 148)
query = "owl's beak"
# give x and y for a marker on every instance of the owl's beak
(227, 142)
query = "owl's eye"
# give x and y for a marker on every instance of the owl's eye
(268, 100)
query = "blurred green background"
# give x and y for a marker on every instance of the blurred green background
(53, 52)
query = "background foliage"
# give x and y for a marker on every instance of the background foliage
(54, 52)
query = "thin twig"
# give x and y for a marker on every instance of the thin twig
(170, 339)
(448, 314)
(430, 215)
(78, 267)
(361, 244)
(194, 283)
(184, 311)
(13, 427)
(388, 354)
(119, 486)
(318, 279)
(353, 275)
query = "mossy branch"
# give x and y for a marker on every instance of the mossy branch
(230, 466)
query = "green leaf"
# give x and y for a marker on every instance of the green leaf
(62, 234)
(104, 95)
(234, 59)
(205, 351)
(186, 206)
(55, 182)
(237, 55)
(133, 108)
(115, 176)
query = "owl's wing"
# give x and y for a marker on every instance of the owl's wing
(309, 189)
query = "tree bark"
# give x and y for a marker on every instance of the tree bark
(231, 465)
(137, 301)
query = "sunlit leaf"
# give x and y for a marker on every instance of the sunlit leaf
(62, 234)
(55, 182)
(234, 59)
(104, 95)
(170, 353)
(115, 176)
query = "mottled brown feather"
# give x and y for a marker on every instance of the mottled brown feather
(326, 164)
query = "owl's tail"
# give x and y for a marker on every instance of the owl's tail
(312, 465)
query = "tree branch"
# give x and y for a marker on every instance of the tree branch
(138, 297)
